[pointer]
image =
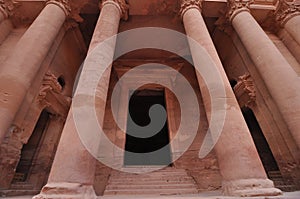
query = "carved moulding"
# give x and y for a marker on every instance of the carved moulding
(188, 4)
(237, 6)
(286, 10)
(121, 4)
(245, 91)
(63, 4)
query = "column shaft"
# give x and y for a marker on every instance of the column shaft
(293, 27)
(238, 159)
(73, 169)
(279, 77)
(20, 68)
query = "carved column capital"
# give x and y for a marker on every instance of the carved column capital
(63, 4)
(6, 7)
(237, 6)
(188, 4)
(287, 10)
(120, 4)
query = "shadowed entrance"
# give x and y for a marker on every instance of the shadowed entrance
(139, 106)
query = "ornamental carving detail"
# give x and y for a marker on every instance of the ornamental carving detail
(50, 95)
(245, 91)
(63, 4)
(123, 6)
(237, 6)
(286, 10)
(188, 4)
(6, 7)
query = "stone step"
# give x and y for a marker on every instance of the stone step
(274, 174)
(146, 187)
(286, 188)
(150, 178)
(13, 192)
(151, 192)
(167, 181)
(21, 186)
(115, 182)
(149, 174)
(156, 171)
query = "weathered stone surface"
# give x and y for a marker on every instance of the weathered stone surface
(43, 43)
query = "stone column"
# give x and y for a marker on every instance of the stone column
(22, 65)
(73, 170)
(240, 166)
(279, 77)
(288, 16)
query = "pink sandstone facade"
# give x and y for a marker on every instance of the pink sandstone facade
(254, 46)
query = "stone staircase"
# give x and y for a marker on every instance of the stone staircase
(19, 188)
(167, 181)
(280, 182)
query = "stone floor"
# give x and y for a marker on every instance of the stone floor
(205, 195)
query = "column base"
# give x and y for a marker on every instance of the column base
(250, 187)
(66, 191)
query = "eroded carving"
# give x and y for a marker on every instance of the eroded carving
(7, 7)
(245, 91)
(188, 4)
(237, 6)
(121, 4)
(50, 95)
(63, 4)
(287, 10)
(50, 84)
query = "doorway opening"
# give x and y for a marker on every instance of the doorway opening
(139, 105)
(29, 150)
(260, 142)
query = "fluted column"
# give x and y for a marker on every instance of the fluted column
(242, 171)
(73, 170)
(279, 77)
(22, 65)
(288, 16)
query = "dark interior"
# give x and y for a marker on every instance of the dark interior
(139, 106)
(260, 141)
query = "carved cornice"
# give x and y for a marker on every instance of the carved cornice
(188, 4)
(287, 10)
(6, 7)
(245, 91)
(237, 6)
(63, 4)
(121, 5)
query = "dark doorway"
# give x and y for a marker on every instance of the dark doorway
(29, 150)
(260, 141)
(139, 106)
